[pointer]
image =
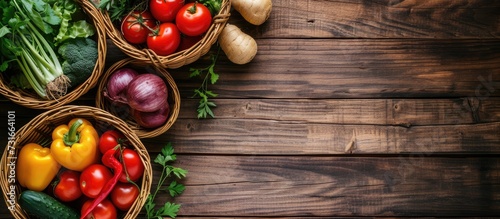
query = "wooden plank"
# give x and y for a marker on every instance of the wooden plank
(271, 137)
(443, 19)
(403, 112)
(288, 186)
(358, 69)
(368, 126)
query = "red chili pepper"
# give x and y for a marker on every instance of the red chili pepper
(109, 160)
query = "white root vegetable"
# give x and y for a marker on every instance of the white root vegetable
(239, 47)
(255, 12)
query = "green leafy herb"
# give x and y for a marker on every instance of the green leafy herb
(213, 5)
(168, 209)
(117, 9)
(205, 105)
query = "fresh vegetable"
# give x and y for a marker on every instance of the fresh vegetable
(152, 119)
(22, 41)
(109, 160)
(165, 10)
(205, 105)
(110, 139)
(116, 87)
(41, 205)
(36, 167)
(165, 40)
(188, 41)
(124, 195)
(213, 5)
(137, 25)
(67, 186)
(239, 47)
(27, 34)
(193, 19)
(73, 24)
(168, 209)
(133, 168)
(93, 179)
(104, 210)
(255, 12)
(80, 56)
(147, 93)
(74, 146)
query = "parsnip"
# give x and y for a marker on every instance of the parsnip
(239, 47)
(254, 11)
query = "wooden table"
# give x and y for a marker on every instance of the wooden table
(350, 108)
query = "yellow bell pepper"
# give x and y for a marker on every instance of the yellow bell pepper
(74, 145)
(35, 167)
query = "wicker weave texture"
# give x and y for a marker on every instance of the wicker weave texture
(177, 59)
(122, 111)
(40, 128)
(32, 100)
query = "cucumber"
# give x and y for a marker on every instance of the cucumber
(41, 205)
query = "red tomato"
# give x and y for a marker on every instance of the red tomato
(132, 164)
(93, 179)
(110, 139)
(137, 25)
(166, 40)
(124, 195)
(165, 10)
(104, 210)
(193, 19)
(67, 187)
(188, 41)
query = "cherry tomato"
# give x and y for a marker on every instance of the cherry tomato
(110, 139)
(188, 41)
(132, 164)
(104, 210)
(166, 40)
(165, 10)
(124, 195)
(193, 19)
(93, 179)
(136, 26)
(67, 187)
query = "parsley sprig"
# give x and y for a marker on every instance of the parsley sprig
(205, 105)
(168, 209)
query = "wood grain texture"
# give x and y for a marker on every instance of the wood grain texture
(339, 186)
(433, 19)
(299, 68)
(392, 112)
(239, 136)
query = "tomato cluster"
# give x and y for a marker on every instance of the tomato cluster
(82, 187)
(167, 26)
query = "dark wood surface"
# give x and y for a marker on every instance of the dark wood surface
(350, 108)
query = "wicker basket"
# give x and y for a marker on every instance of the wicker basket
(42, 125)
(177, 59)
(122, 112)
(31, 100)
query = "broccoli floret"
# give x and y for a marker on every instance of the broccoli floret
(79, 57)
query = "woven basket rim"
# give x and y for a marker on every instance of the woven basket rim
(177, 59)
(52, 117)
(32, 100)
(174, 95)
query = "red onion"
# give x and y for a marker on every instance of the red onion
(118, 81)
(147, 93)
(152, 119)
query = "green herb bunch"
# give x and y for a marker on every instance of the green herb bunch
(168, 209)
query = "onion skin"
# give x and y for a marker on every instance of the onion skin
(152, 119)
(118, 81)
(147, 93)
